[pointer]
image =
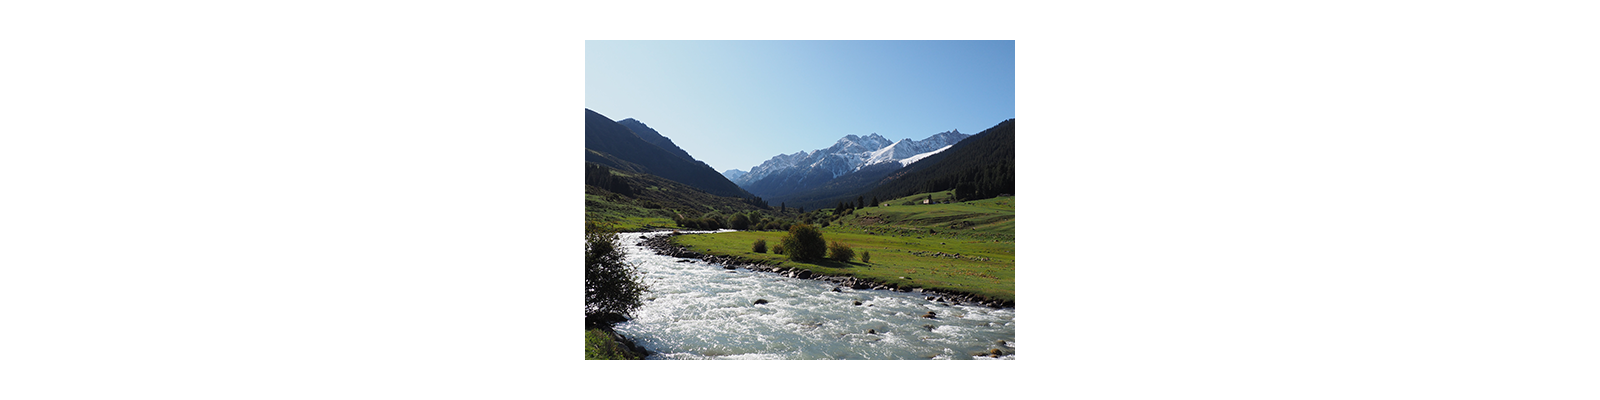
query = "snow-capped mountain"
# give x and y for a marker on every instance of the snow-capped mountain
(734, 174)
(789, 173)
(778, 163)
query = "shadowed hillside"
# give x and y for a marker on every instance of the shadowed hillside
(614, 145)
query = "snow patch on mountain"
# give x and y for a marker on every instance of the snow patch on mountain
(907, 162)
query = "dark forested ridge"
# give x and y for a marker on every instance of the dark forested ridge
(612, 144)
(983, 166)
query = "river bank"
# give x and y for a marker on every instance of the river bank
(603, 343)
(662, 244)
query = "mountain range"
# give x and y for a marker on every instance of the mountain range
(788, 174)
(853, 169)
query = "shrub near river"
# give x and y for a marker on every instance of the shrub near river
(804, 243)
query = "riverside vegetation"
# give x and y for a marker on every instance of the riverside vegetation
(963, 247)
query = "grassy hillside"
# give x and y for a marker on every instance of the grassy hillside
(967, 247)
(621, 214)
(988, 218)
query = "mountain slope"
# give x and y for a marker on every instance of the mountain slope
(845, 187)
(651, 136)
(612, 144)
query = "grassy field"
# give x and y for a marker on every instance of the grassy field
(966, 247)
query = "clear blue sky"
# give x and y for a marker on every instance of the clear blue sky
(735, 104)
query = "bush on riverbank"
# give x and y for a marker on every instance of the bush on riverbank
(840, 252)
(804, 243)
(760, 246)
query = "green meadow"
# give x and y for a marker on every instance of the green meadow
(964, 247)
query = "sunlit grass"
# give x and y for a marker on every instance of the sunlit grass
(966, 247)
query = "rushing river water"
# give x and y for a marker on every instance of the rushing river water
(697, 310)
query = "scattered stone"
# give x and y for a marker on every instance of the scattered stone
(858, 302)
(928, 315)
(872, 332)
(761, 301)
(928, 327)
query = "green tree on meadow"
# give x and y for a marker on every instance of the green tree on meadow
(804, 243)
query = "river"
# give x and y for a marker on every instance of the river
(697, 311)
